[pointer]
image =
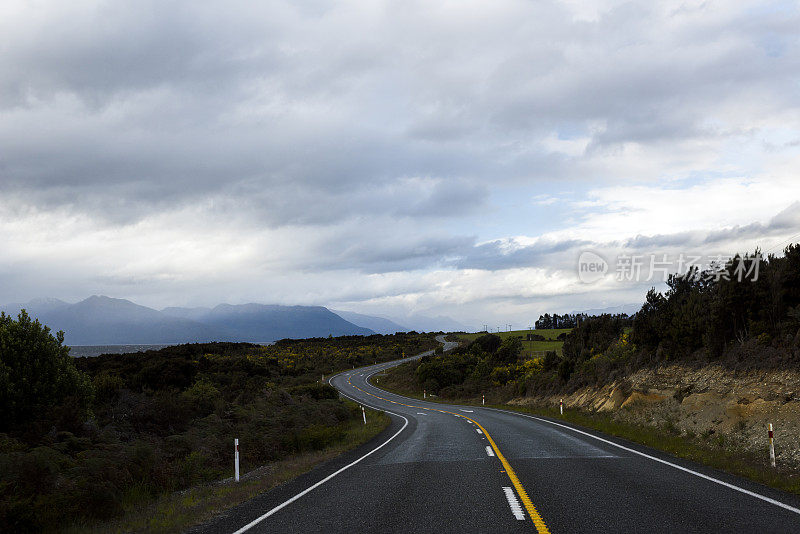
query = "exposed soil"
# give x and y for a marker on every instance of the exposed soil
(732, 408)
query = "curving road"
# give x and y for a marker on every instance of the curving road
(450, 468)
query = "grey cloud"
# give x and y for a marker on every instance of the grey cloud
(320, 116)
(787, 219)
(382, 254)
(176, 102)
(495, 255)
(641, 242)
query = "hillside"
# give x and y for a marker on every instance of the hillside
(100, 320)
(380, 325)
(261, 322)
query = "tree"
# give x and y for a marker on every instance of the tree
(647, 325)
(37, 375)
(509, 351)
(488, 343)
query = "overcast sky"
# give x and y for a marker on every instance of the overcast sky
(389, 157)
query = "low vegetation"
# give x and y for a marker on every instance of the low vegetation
(87, 440)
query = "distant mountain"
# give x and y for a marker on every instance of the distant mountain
(187, 313)
(262, 322)
(107, 321)
(628, 309)
(379, 325)
(102, 320)
(422, 323)
(35, 306)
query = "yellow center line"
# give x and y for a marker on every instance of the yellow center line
(523, 495)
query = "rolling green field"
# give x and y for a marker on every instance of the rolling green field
(530, 347)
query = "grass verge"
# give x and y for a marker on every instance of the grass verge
(175, 512)
(703, 450)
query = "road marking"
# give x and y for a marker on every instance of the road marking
(538, 522)
(420, 413)
(327, 478)
(659, 460)
(489, 451)
(468, 411)
(634, 451)
(516, 509)
(478, 430)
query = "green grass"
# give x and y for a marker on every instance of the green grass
(531, 348)
(551, 333)
(175, 512)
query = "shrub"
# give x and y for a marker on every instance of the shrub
(202, 397)
(36, 373)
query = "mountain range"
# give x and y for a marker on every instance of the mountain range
(101, 320)
(379, 325)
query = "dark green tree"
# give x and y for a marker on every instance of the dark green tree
(38, 378)
(509, 351)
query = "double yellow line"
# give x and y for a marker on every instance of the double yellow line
(541, 527)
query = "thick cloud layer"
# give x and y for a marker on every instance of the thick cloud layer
(387, 157)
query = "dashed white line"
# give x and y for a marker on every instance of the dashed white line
(513, 503)
(468, 411)
(489, 451)
(478, 430)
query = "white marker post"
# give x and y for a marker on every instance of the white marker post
(771, 447)
(364, 414)
(483, 399)
(424, 394)
(561, 406)
(236, 459)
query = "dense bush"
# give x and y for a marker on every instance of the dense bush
(165, 420)
(39, 385)
(488, 360)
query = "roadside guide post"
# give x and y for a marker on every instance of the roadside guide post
(236, 458)
(771, 447)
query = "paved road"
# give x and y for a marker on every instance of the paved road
(448, 468)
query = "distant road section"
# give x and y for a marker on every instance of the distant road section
(449, 468)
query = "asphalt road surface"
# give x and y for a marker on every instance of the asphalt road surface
(448, 468)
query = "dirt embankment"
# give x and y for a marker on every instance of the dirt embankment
(732, 408)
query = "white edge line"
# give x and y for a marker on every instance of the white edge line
(327, 478)
(659, 460)
(655, 459)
